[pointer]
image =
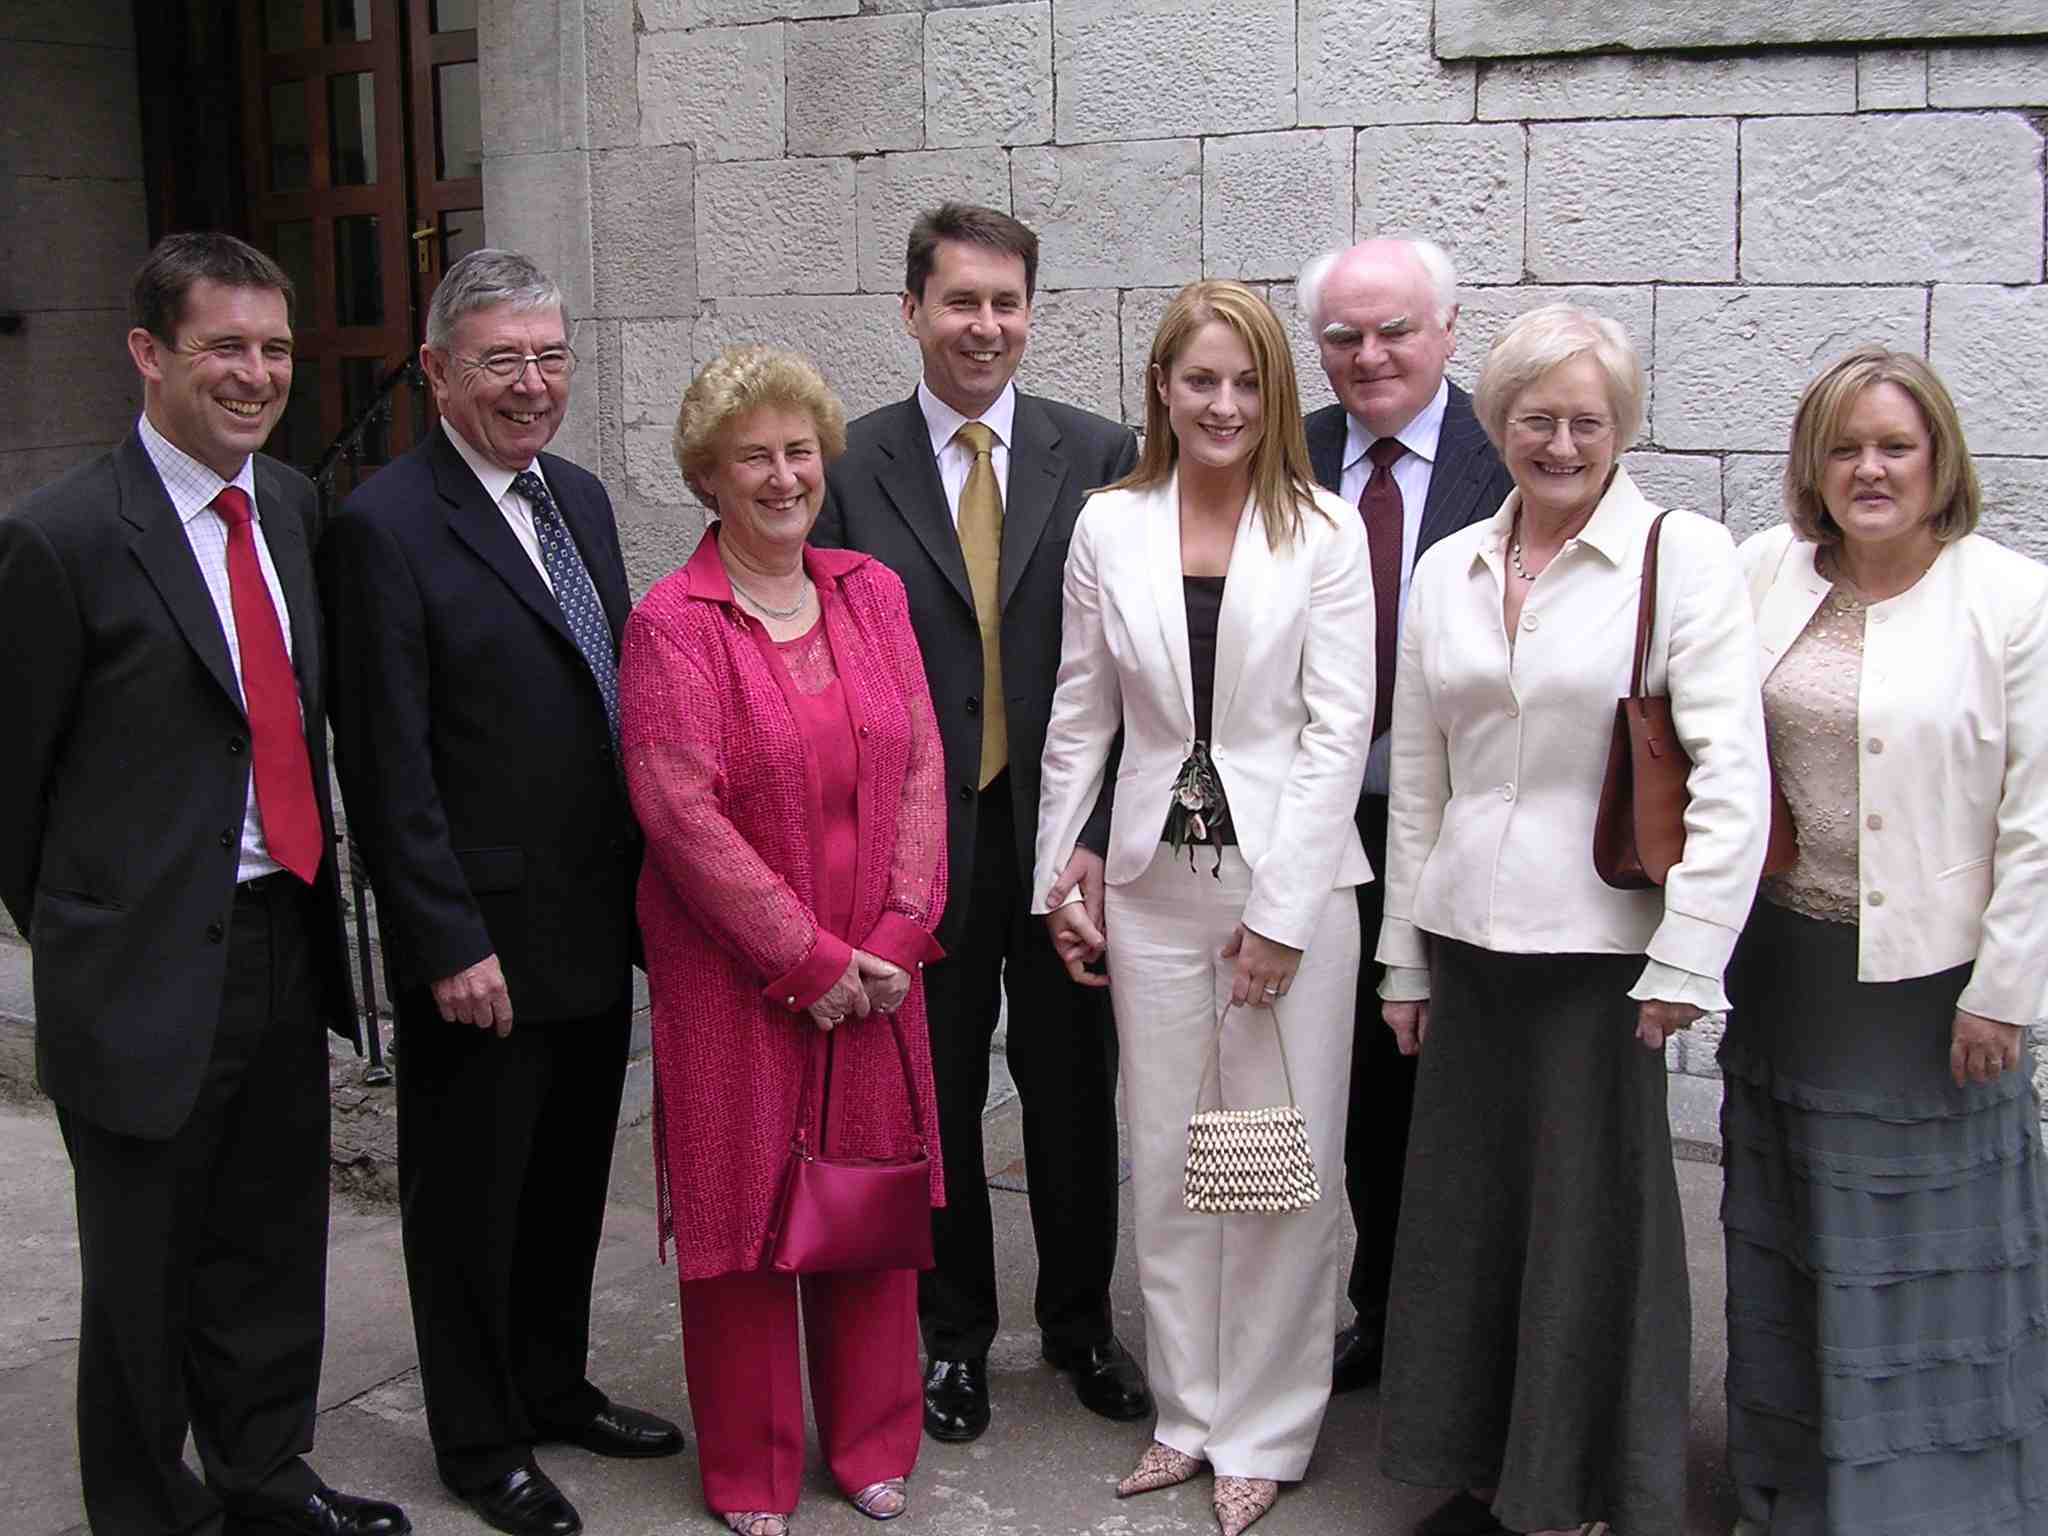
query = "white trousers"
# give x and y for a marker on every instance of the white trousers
(1239, 1310)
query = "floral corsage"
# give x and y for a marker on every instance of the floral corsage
(1196, 812)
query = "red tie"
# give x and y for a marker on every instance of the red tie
(270, 694)
(1380, 504)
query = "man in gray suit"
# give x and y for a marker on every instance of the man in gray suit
(968, 490)
(1403, 446)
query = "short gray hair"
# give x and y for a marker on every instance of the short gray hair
(1549, 337)
(484, 279)
(1434, 260)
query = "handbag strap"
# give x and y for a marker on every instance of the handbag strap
(1214, 1063)
(822, 1040)
(1646, 606)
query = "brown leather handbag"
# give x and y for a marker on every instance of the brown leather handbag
(1639, 832)
(853, 1213)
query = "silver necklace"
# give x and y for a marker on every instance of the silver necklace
(784, 614)
(1515, 554)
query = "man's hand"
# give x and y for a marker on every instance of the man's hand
(1410, 1024)
(887, 984)
(476, 996)
(1982, 1049)
(1079, 935)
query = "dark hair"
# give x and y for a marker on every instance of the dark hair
(975, 225)
(156, 303)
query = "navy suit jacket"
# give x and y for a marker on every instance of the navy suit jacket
(125, 779)
(471, 739)
(1467, 482)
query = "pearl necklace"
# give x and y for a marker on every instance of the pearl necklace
(782, 614)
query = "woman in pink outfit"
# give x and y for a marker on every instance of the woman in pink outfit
(783, 758)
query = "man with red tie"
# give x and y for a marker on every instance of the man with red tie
(1403, 446)
(167, 851)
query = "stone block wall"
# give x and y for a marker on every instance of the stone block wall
(72, 225)
(709, 171)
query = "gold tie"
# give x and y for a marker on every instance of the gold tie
(981, 541)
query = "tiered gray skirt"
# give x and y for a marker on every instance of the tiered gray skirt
(1887, 1241)
(1539, 1333)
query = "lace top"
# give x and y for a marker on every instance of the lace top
(1810, 714)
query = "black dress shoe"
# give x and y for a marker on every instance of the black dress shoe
(524, 1502)
(616, 1430)
(326, 1513)
(956, 1399)
(1106, 1379)
(1461, 1515)
(1360, 1354)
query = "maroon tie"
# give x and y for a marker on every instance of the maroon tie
(270, 695)
(1380, 504)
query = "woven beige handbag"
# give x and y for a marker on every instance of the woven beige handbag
(1248, 1159)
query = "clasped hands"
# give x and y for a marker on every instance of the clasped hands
(869, 984)
(1264, 971)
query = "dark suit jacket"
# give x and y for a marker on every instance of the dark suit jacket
(471, 739)
(1467, 482)
(883, 496)
(126, 784)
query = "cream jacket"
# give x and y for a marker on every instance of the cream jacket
(1498, 758)
(1953, 712)
(1292, 717)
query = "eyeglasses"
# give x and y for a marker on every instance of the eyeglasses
(1540, 428)
(555, 363)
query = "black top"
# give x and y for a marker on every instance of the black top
(1204, 598)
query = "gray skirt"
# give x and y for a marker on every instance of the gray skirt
(1887, 1239)
(1539, 1333)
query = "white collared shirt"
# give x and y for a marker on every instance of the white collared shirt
(192, 486)
(942, 421)
(1499, 754)
(497, 484)
(1412, 472)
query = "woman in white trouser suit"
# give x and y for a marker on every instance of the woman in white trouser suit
(1219, 610)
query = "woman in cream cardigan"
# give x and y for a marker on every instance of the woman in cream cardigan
(1219, 611)
(1886, 1207)
(1539, 1337)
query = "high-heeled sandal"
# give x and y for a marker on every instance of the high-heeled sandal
(884, 1500)
(1241, 1500)
(1160, 1467)
(756, 1522)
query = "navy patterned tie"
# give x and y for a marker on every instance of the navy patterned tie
(574, 591)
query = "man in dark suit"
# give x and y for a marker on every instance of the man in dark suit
(475, 596)
(968, 490)
(1403, 445)
(167, 849)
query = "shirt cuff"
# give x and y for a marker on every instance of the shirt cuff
(1402, 944)
(813, 976)
(1663, 983)
(896, 939)
(1404, 984)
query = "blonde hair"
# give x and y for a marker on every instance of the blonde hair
(1548, 337)
(744, 379)
(1958, 500)
(1282, 482)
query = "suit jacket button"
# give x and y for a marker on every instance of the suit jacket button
(974, 706)
(215, 933)
(966, 793)
(235, 745)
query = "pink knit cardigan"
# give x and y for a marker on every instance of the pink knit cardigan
(732, 809)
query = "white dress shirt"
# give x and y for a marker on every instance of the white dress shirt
(192, 487)
(497, 484)
(955, 459)
(1412, 473)
(1499, 755)
(1952, 791)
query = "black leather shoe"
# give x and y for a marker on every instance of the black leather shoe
(616, 1430)
(327, 1513)
(956, 1399)
(1106, 1379)
(1461, 1515)
(1360, 1354)
(524, 1502)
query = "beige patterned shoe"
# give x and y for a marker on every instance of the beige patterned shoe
(1241, 1500)
(1160, 1467)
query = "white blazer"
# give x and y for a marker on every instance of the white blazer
(1292, 718)
(1952, 846)
(1499, 757)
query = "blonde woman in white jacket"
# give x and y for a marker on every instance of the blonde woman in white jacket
(1886, 1210)
(1219, 610)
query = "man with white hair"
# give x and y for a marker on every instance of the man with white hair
(1403, 446)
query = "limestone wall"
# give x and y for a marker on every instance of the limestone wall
(709, 171)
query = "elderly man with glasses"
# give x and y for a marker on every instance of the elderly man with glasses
(476, 594)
